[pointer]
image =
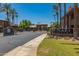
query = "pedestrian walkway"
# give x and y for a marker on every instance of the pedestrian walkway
(28, 49)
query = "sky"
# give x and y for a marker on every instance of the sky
(35, 12)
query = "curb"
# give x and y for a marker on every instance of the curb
(28, 49)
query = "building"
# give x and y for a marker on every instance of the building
(3, 24)
(31, 27)
(42, 27)
(68, 22)
(39, 27)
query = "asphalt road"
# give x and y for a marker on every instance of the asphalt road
(8, 43)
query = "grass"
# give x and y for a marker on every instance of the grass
(61, 47)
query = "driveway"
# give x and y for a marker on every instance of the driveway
(8, 43)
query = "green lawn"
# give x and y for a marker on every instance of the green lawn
(53, 47)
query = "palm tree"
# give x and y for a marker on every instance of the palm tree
(64, 13)
(56, 10)
(54, 16)
(1, 7)
(60, 12)
(13, 14)
(56, 25)
(6, 8)
(75, 21)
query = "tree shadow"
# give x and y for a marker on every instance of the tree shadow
(77, 51)
(76, 48)
(70, 43)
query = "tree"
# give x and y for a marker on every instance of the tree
(13, 14)
(56, 24)
(75, 31)
(24, 24)
(56, 10)
(54, 15)
(64, 13)
(1, 6)
(60, 12)
(6, 8)
(29, 22)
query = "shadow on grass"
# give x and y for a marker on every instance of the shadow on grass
(70, 43)
(77, 50)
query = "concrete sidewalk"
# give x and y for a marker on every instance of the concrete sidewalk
(28, 49)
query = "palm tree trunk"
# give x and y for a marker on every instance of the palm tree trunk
(75, 33)
(60, 13)
(7, 16)
(12, 19)
(57, 19)
(64, 14)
